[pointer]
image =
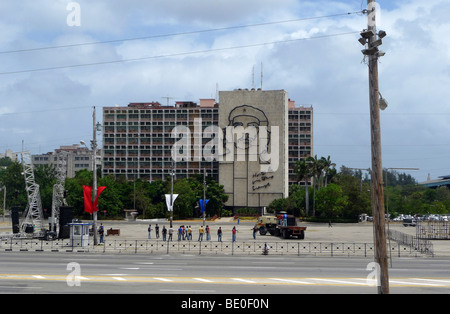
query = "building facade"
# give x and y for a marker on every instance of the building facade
(77, 158)
(138, 139)
(150, 140)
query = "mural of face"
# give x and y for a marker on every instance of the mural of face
(250, 119)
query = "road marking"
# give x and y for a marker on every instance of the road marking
(203, 280)
(293, 281)
(244, 280)
(38, 276)
(184, 290)
(336, 281)
(446, 282)
(345, 282)
(413, 283)
(163, 279)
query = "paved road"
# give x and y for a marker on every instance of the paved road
(24, 272)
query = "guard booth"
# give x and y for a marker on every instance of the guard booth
(79, 233)
(130, 214)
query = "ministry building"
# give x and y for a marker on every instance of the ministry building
(249, 142)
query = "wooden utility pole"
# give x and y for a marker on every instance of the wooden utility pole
(373, 40)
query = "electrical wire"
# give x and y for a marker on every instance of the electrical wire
(176, 54)
(181, 33)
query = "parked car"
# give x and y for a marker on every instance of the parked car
(409, 222)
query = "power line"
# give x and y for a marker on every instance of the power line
(178, 34)
(44, 110)
(176, 54)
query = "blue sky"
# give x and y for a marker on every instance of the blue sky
(50, 108)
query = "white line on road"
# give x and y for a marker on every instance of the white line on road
(38, 276)
(162, 279)
(413, 283)
(243, 280)
(433, 280)
(119, 278)
(203, 280)
(340, 281)
(293, 281)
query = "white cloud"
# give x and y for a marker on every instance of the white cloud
(326, 73)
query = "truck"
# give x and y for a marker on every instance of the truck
(281, 225)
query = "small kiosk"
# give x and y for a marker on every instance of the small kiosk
(130, 214)
(79, 233)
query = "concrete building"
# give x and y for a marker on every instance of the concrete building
(142, 140)
(78, 158)
(300, 136)
(138, 140)
(255, 172)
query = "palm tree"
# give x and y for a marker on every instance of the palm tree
(304, 169)
(327, 164)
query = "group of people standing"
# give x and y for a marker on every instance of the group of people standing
(185, 233)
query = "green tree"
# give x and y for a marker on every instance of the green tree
(331, 201)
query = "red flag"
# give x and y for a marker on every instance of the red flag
(99, 190)
(87, 191)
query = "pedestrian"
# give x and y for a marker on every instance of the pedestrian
(189, 233)
(233, 234)
(255, 229)
(157, 231)
(329, 224)
(200, 234)
(219, 234)
(149, 231)
(164, 233)
(180, 231)
(101, 232)
(208, 237)
(170, 233)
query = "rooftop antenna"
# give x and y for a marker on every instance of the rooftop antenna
(261, 75)
(217, 92)
(253, 77)
(167, 98)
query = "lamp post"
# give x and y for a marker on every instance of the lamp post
(4, 200)
(172, 174)
(94, 173)
(204, 196)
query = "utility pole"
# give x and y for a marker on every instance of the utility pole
(370, 37)
(172, 173)
(94, 174)
(204, 196)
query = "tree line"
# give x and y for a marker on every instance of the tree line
(147, 198)
(346, 194)
(330, 194)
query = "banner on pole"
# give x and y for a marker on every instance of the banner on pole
(169, 205)
(88, 205)
(203, 205)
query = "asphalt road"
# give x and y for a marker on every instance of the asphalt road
(26, 272)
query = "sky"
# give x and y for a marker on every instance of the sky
(60, 58)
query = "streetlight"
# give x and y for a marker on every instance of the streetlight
(94, 172)
(4, 200)
(204, 196)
